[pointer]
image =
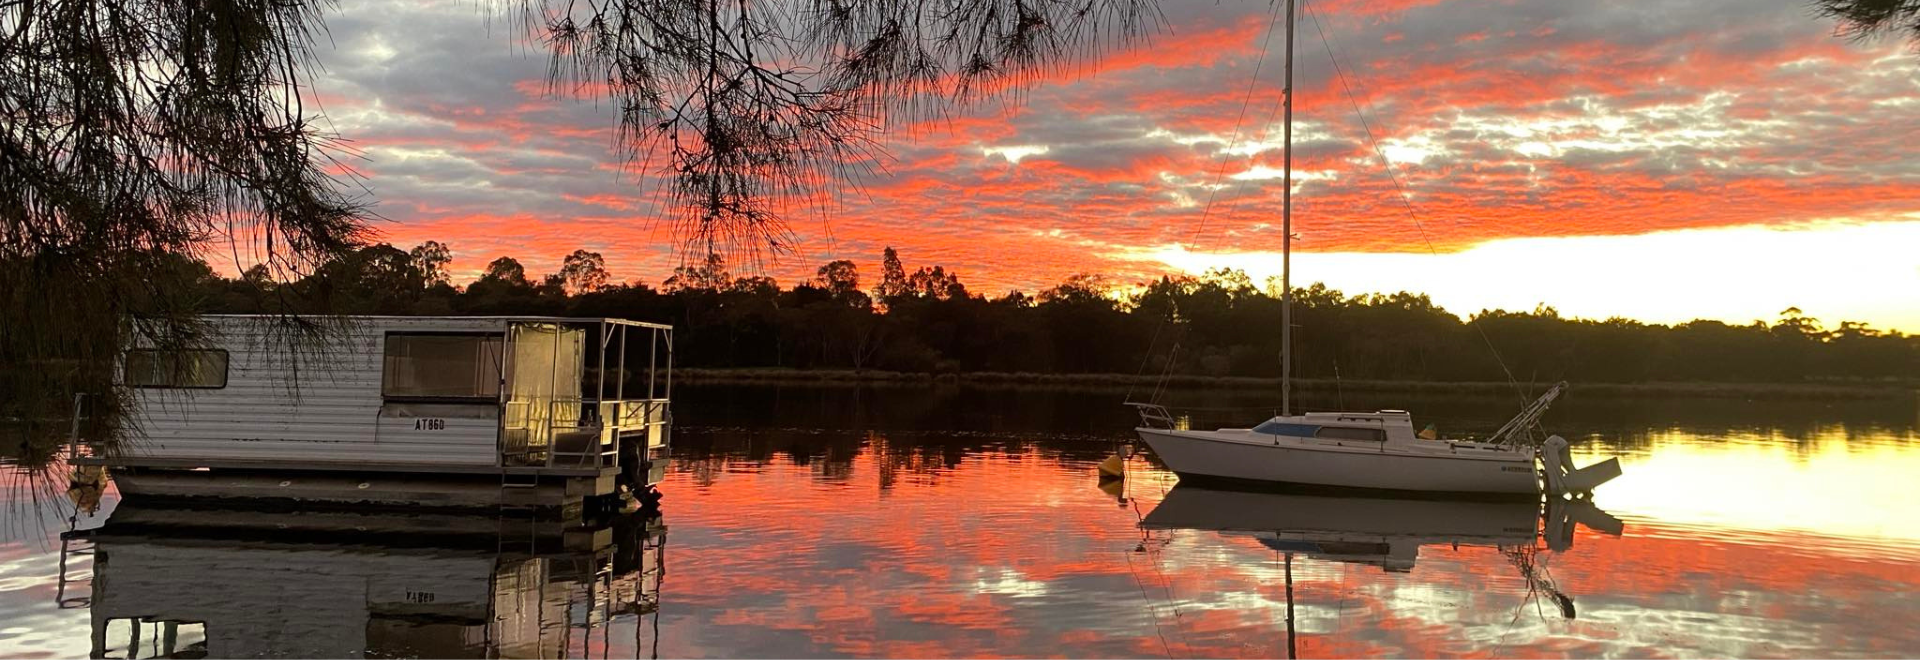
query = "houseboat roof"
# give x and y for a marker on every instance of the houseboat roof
(496, 319)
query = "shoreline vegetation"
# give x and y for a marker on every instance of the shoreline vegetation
(1101, 381)
(1217, 330)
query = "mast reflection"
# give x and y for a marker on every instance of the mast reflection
(187, 583)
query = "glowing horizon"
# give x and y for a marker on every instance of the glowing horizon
(1661, 277)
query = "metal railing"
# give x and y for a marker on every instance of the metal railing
(1153, 415)
(575, 435)
(644, 416)
(588, 430)
(587, 434)
(1522, 429)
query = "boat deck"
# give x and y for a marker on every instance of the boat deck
(342, 466)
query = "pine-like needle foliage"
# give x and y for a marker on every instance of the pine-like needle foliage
(751, 110)
(133, 133)
(1868, 18)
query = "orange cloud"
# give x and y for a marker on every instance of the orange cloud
(1556, 119)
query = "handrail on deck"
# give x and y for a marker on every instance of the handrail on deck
(606, 420)
(1153, 415)
(1520, 429)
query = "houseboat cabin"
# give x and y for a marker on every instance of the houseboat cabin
(435, 411)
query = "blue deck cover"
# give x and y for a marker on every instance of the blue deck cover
(1271, 427)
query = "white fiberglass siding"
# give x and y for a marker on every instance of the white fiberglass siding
(332, 413)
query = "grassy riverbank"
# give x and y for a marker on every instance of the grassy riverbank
(1823, 390)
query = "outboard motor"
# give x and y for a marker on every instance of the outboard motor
(1563, 478)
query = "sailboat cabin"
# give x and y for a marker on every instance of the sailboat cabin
(1394, 426)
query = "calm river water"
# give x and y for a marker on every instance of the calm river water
(937, 521)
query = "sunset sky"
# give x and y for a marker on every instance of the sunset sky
(1666, 161)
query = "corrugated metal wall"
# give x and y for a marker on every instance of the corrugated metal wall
(301, 404)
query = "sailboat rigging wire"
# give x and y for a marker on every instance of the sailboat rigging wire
(1340, 389)
(1173, 601)
(1143, 362)
(1406, 200)
(1167, 373)
(1526, 558)
(1152, 611)
(1213, 189)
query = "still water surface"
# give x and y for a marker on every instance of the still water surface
(915, 521)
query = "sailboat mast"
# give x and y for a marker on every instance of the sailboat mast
(1286, 235)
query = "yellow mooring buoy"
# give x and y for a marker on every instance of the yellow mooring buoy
(1114, 466)
(86, 486)
(1115, 488)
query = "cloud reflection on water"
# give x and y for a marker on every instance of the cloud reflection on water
(807, 543)
(1718, 579)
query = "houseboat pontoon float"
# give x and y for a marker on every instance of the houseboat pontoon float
(540, 412)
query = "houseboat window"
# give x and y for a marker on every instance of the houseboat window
(1348, 433)
(204, 369)
(442, 366)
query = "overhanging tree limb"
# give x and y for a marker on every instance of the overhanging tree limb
(762, 109)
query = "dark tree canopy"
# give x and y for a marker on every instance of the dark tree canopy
(1081, 289)
(935, 283)
(507, 270)
(711, 275)
(893, 277)
(432, 258)
(841, 280)
(583, 272)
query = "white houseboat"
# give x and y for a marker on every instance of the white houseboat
(422, 411)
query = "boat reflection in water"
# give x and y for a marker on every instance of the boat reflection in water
(1383, 532)
(179, 582)
(1387, 533)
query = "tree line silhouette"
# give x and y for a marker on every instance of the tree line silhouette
(1216, 324)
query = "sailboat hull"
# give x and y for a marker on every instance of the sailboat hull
(1201, 456)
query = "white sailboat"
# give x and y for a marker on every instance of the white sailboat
(1364, 450)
